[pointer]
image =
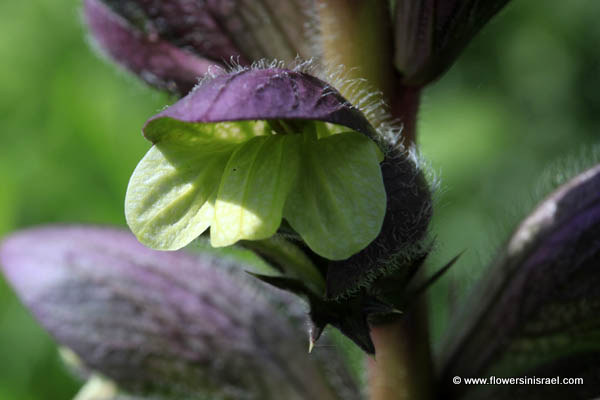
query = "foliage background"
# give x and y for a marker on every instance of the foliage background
(524, 96)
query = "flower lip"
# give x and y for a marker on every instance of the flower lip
(264, 94)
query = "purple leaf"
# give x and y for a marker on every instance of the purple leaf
(171, 324)
(536, 311)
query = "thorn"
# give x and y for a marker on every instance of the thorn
(315, 334)
(424, 286)
(375, 306)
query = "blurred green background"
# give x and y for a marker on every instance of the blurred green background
(524, 96)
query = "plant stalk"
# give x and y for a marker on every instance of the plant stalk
(402, 368)
(358, 34)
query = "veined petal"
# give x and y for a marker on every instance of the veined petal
(339, 203)
(171, 193)
(253, 189)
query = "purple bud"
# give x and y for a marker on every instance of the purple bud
(171, 43)
(171, 324)
(431, 34)
(535, 312)
(155, 60)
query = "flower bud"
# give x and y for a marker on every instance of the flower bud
(156, 61)
(170, 325)
(170, 44)
(431, 34)
(535, 312)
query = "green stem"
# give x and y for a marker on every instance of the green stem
(402, 368)
(358, 34)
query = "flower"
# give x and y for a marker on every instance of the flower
(253, 147)
(250, 147)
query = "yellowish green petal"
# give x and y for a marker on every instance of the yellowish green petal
(254, 188)
(171, 194)
(169, 204)
(339, 202)
(241, 178)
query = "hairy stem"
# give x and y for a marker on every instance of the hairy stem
(402, 368)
